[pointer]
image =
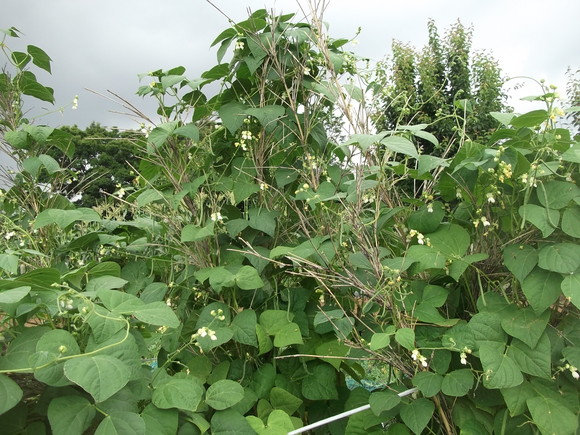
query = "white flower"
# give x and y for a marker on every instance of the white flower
(306, 71)
(239, 45)
(484, 221)
(217, 217)
(202, 332)
(75, 103)
(463, 356)
(247, 135)
(490, 198)
(430, 208)
(9, 235)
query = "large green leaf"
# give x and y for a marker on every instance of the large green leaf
(427, 218)
(160, 421)
(285, 401)
(230, 422)
(157, 313)
(551, 417)
(428, 383)
(70, 415)
(248, 278)
(287, 335)
(14, 295)
(500, 371)
(450, 239)
(560, 257)
(542, 288)
(183, 394)
(406, 338)
(64, 218)
(417, 414)
(53, 344)
(320, 384)
(571, 288)
(39, 57)
(530, 119)
(244, 327)
(400, 145)
(571, 221)
(99, 375)
(10, 393)
(487, 327)
(533, 361)
(232, 115)
(557, 194)
(457, 383)
(520, 260)
(267, 115)
(381, 401)
(194, 233)
(524, 324)
(224, 394)
(545, 219)
(122, 423)
(516, 397)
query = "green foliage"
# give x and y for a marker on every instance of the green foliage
(256, 275)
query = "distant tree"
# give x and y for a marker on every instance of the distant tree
(101, 161)
(573, 94)
(435, 84)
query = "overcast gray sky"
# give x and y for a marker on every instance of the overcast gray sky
(104, 44)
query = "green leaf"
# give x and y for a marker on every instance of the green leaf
(158, 314)
(428, 383)
(264, 341)
(551, 417)
(487, 327)
(457, 383)
(39, 57)
(381, 401)
(320, 384)
(267, 115)
(406, 338)
(232, 114)
(504, 118)
(516, 397)
(230, 422)
(274, 320)
(500, 371)
(99, 375)
(193, 233)
(160, 421)
(400, 145)
(121, 423)
(148, 196)
(571, 221)
(263, 220)
(248, 278)
(105, 282)
(224, 394)
(20, 59)
(560, 257)
(118, 301)
(426, 221)
(520, 260)
(557, 194)
(533, 361)
(53, 344)
(450, 239)
(14, 295)
(285, 401)
(287, 335)
(244, 327)
(542, 288)
(10, 394)
(545, 219)
(380, 340)
(417, 414)
(29, 86)
(63, 218)
(70, 415)
(185, 394)
(530, 119)
(570, 288)
(524, 324)
(426, 257)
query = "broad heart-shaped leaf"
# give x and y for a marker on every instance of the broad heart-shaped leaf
(285, 401)
(232, 115)
(417, 414)
(64, 218)
(274, 320)
(530, 119)
(557, 194)
(520, 260)
(122, 423)
(320, 384)
(160, 421)
(457, 383)
(10, 393)
(560, 257)
(244, 327)
(551, 417)
(14, 295)
(381, 401)
(230, 422)
(267, 115)
(55, 343)
(406, 338)
(263, 220)
(428, 383)
(248, 278)
(105, 282)
(183, 394)
(487, 327)
(158, 314)
(542, 288)
(70, 415)
(287, 335)
(427, 218)
(544, 219)
(500, 371)
(99, 375)
(9, 263)
(119, 301)
(571, 221)
(533, 361)
(450, 239)
(524, 324)
(400, 145)
(224, 394)
(193, 233)
(39, 57)
(516, 397)
(571, 288)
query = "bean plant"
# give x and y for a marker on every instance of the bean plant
(269, 266)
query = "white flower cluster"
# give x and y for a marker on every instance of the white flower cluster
(416, 356)
(205, 332)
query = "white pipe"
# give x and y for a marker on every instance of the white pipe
(342, 415)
